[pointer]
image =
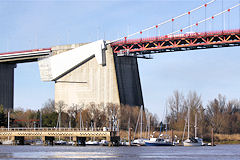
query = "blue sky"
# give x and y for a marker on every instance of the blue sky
(33, 24)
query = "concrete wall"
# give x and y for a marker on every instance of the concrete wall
(90, 82)
(117, 82)
(7, 85)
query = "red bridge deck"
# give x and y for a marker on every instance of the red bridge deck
(179, 42)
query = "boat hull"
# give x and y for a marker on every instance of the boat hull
(191, 144)
(157, 144)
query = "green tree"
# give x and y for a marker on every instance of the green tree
(50, 119)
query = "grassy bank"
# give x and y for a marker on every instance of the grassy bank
(227, 138)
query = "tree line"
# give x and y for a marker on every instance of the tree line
(220, 114)
(91, 115)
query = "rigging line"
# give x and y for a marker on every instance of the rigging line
(218, 14)
(167, 21)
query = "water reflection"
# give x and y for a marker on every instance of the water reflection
(53, 155)
(66, 152)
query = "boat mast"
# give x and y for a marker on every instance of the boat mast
(41, 119)
(195, 125)
(166, 120)
(184, 129)
(188, 120)
(8, 122)
(80, 119)
(141, 121)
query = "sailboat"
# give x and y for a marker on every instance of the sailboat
(140, 141)
(161, 140)
(193, 141)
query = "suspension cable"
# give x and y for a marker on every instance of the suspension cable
(218, 14)
(165, 22)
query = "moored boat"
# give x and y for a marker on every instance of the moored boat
(194, 141)
(139, 142)
(93, 143)
(158, 142)
(104, 142)
(8, 142)
(60, 142)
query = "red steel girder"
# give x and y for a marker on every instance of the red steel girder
(175, 42)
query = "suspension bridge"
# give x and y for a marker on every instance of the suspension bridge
(112, 76)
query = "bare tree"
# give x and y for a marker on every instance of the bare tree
(49, 106)
(215, 113)
(60, 106)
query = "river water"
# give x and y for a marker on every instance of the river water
(224, 152)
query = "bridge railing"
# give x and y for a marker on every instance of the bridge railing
(46, 129)
(176, 36)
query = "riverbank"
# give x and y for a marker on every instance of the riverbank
(218, 138)
(227, 138)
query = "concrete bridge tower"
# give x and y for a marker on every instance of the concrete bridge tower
(86, 73)
(7, 85)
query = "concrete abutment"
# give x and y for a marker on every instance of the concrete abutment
(7, 85)
(116, 82)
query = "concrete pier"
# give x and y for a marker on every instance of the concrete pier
(116, 82)
(7, 85)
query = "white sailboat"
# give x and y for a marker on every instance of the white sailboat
(93, 143)
(161, 140)
(140, 141)
(194, 141)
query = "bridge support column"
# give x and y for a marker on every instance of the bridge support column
(47, 139)
(19, 140)
(116, 82)
(114, 139)
(7, 85)
(79, 141)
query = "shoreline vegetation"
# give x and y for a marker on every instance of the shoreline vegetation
(220, 114)
(218, 138)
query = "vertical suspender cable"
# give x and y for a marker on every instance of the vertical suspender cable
(205, 18)
(239, 15)
(159, 31)
(222, 17)
(156, 31)
(189, 20)
(229, 19)
(211, 25)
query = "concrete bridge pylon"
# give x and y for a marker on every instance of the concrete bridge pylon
(7, 85)
(91, 73)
